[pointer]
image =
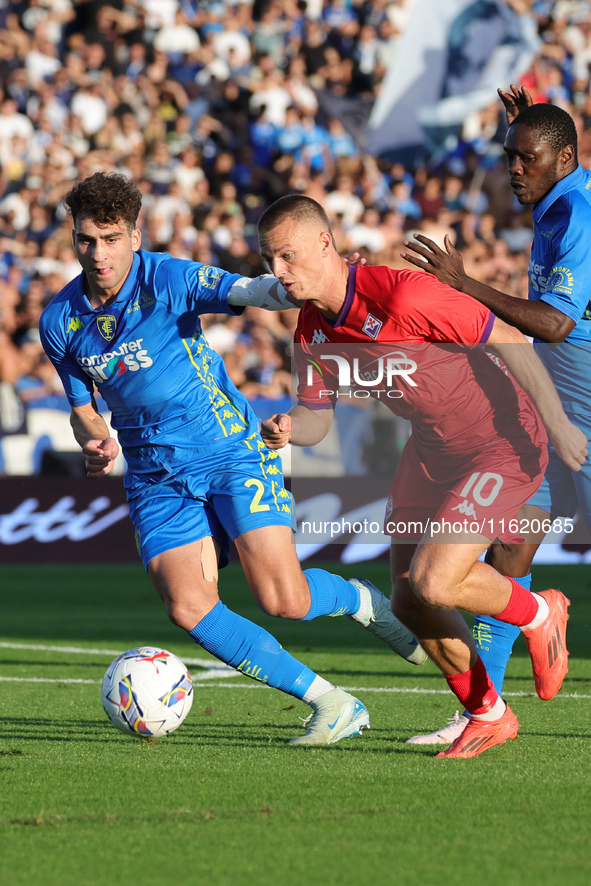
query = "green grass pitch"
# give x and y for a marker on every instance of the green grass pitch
(224, 801)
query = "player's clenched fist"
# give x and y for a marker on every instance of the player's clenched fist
(100, 456)
(276, 431)
(571, 444)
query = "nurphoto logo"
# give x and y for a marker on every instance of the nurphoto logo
(381, 371)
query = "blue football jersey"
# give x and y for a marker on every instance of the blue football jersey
(559, 269)
(167, 390)
(560, 274)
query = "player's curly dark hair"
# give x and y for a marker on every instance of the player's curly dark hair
(106, 199)
(298, 207)
(552, 124)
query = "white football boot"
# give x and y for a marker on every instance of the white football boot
(445, 735)
(336, 715)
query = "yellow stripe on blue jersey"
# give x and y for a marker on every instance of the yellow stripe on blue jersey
(228, 416)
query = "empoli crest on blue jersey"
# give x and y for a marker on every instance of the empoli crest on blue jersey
(107, 326)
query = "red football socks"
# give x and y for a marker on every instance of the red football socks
(522, 607)
(474, 689)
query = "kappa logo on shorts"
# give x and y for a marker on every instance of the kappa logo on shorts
(372, 326)
(465, 507)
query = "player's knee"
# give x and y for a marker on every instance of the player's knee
(183, 615)
(282, 596)
(278, 607)
(430, 587)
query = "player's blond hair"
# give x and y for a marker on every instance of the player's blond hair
(297, 207)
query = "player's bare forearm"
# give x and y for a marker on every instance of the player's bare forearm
(309, 426)
(536, 318)
(88, 424)
(301, 426)
(527, 368)
(92, 435)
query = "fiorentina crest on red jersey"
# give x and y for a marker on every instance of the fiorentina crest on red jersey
(372, 326)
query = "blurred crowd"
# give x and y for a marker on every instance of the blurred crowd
(216, 109)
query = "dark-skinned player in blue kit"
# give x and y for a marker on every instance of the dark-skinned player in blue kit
(198, 473)
(544, 172)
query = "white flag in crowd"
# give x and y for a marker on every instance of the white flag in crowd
(448, 64)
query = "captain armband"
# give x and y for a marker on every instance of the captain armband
(261, 292)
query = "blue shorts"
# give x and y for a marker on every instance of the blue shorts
(563, 491)
(222, 494)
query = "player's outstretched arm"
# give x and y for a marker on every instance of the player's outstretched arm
(536, 318)
(301, 426)
(515, 101)
(267, 292)
(264, 292)
(92, 434)
(527, 368)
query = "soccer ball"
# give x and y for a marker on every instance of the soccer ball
(147, 691)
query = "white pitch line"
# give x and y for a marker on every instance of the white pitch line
(204, 679)
(400, 690)
(79, 650)
(217, 670)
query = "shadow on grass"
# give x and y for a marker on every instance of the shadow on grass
(223, 737)
(54, 663)
(220, 736)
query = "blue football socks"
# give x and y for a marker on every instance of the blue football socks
(495, 640)
(252, 651)
(256, 653)
(331, 594)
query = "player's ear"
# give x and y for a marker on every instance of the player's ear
(136, 239)
(566, 156)
(326, 242)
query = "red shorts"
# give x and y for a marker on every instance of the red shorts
(478, 493)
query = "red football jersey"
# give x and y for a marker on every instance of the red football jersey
(401, 334)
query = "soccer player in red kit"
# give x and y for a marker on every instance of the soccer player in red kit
(476, 438)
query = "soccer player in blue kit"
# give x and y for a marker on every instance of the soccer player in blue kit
(544, 172)
(198, 472)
